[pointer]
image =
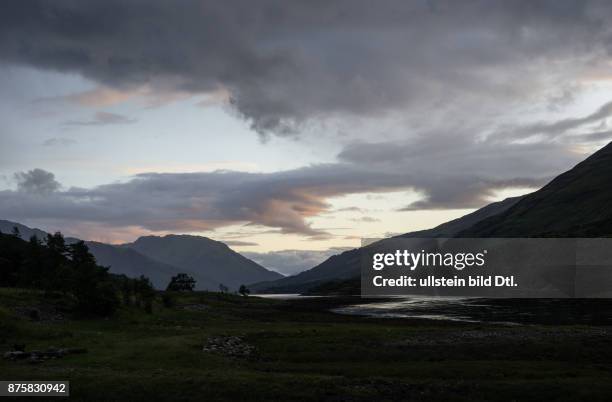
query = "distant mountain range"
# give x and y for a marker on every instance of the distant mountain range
(210, 262)
(577, 203)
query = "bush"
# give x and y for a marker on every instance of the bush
(168, 300)
(102, 300)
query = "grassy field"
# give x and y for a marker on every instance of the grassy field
(261, 349)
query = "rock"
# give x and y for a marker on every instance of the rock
(232, 346)
(39, 313)
(16, 354)
(38, 356)
(19, 347)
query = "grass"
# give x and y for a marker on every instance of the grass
(302, 352)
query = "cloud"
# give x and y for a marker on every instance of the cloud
(52, 142)
(366, 219)
(284, 64)
(596, 136)
(36, 181)
(102, 119)
(349, 209)
(239, 243)
(451, 174)
(97, 97)
(453, 171)
(556, 128)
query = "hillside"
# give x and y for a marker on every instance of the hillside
(119, 260)
(161, 258)
(133, 264)
(24, 231)
(204, 257)
(578, 203)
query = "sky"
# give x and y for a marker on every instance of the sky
(291, 129)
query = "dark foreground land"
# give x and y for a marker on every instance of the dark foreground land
(224, 347)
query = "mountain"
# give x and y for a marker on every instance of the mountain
(24, 231)
(131, 263)
(578, 203)
(121, 261)
(347, 265)
(208, 259)
(209, 262)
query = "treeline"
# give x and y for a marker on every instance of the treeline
(53, 266)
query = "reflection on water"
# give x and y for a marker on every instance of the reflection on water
(467, 309)
(411, 307)
(286, 296)
(506, 311)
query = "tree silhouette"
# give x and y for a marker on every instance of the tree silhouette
(71, 269)
(244, 290)
(145, 292)
(181, 283)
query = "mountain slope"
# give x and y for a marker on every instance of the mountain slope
(578, 203)
(347, 265)
(24, 231)
(129, 262)
(204, 257)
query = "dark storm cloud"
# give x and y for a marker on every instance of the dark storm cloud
(285, 63)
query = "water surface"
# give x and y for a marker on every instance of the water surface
(506, 311)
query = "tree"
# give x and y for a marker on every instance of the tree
(223, 288)
(244, 290)
(181, 283)
(33, 264)
(57, 273)
(90, 283)
(126, 288)
(79, 253)
(145, 292)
